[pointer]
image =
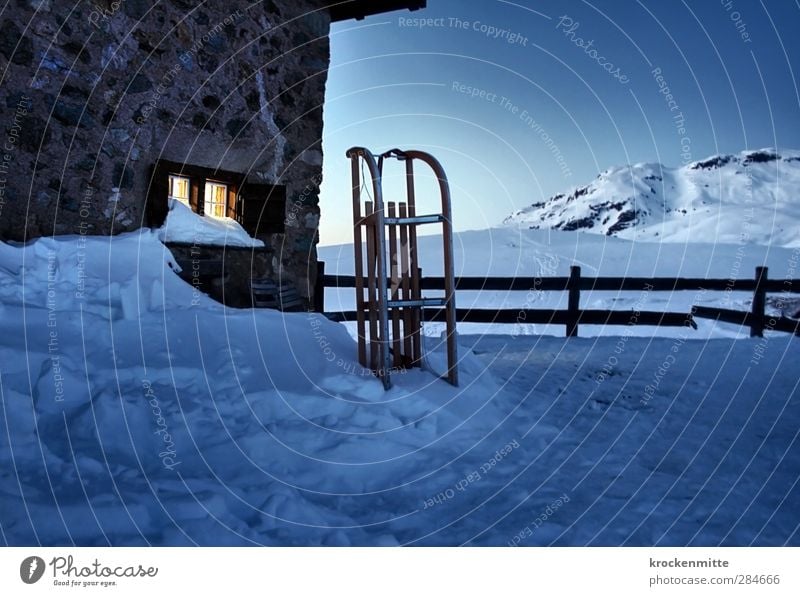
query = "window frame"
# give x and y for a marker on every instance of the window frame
(199, 177)
(171, 194)
(210, 201)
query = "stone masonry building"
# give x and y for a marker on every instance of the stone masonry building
(103, 102)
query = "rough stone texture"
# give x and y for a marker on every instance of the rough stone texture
(95, 92)
(223, 272)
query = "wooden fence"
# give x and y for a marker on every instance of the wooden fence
(574, 316)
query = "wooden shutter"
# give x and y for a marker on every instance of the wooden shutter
(261, 208)
(157, 206)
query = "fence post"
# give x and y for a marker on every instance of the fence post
(759, 302)
(574, 300)
(319, 288)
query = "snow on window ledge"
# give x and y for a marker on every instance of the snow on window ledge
(184, 225)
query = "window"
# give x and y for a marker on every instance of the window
(216, 200)
(179, 189)
(259, 208)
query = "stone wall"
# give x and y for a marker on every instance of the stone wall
(94, 92)
(223, 273)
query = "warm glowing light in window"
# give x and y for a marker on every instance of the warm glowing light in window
(216, 199)
(179, 189)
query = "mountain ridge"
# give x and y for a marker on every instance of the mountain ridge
(749, 197)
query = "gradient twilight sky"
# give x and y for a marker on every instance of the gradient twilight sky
(729, 65)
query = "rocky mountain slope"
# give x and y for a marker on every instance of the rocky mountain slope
(750, 197)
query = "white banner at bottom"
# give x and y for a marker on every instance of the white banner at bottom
(390, 571)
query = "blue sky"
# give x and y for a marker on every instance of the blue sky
(521, 100)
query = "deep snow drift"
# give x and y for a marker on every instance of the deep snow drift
(719, 199)
(135, 411)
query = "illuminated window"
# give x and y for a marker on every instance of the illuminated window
(259, 208)
(216, 199)
(179, 189)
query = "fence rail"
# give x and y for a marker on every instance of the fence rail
(573, 316)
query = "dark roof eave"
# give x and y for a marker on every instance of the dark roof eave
(341, 10)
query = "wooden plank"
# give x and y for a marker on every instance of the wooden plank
(417, 317)
(560, 284)
(394, 281)
(157, 204)
(319, 288)
(759, 302)
(744, 319)
(358, 9)
(372, 303)
(786, 285)
(725, 315)
(198, 196)
(261, 208)
(574, 300)
(550, 317)
(408, 347)
(382, 280)
(784, 324)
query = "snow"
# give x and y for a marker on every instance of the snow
(184, 225)
(137, 412)
(722, 199)
(510, 251)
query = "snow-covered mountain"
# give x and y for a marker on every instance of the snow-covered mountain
(752, 197)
